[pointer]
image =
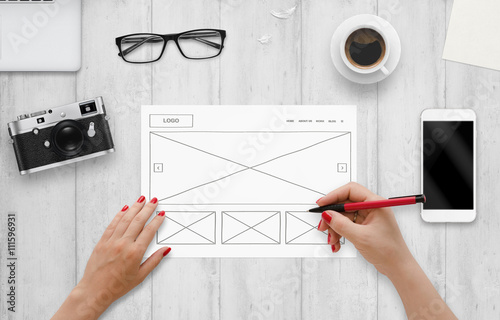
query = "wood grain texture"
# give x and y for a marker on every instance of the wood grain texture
(473, 266)
(472, 256)
(177, 80)
(417, 83)
(336, 282)
(255, 73)
(43, 202)
(107, 183)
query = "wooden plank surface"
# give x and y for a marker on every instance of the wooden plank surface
(256, 73)
(472, 256)
(66, 209)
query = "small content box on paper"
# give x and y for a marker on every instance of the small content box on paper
(171, 121)
(158, 167)
(342, 167)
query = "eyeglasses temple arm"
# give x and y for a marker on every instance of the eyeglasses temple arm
(140, 41)
(196, 36)
(210, 43)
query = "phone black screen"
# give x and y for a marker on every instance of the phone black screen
(448, 165)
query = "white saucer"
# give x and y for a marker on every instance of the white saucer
(351, 24)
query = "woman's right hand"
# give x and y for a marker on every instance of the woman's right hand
(375, 234)
(377, 237)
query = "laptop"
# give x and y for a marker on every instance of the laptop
(40, 35)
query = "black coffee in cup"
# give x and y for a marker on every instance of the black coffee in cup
(365, 48)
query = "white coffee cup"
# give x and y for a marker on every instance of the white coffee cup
(380, 66)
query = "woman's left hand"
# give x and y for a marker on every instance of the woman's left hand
(115, 268)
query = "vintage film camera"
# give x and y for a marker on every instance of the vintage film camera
(62, 135)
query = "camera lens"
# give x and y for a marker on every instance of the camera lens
(68, 137)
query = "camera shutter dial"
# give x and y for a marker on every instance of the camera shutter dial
(91, 131)
(68, 138)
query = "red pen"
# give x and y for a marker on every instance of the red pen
(355, 206)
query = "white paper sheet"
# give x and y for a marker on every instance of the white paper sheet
(237, 181)
(473, 33)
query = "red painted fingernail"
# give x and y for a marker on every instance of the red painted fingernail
(141, 199)
(319, 225)
(161, 214)
(333, 248)
(329, 237)
(319, 199)
(154, 200)
(326, 216)
(125, 208)
(167, 251)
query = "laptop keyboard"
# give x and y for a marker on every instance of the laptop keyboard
(25, 1)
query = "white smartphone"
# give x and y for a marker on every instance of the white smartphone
(448, 165)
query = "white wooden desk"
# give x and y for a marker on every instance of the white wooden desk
(62, 213)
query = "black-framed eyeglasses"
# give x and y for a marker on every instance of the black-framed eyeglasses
(149, 47)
